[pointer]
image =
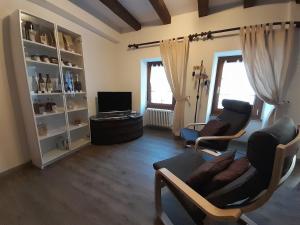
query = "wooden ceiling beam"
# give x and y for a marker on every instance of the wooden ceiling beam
(118, 9)
(203, 7)
(249, 3)
(161, 10)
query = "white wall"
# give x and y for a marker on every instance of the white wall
(99, 58)
(129, 60)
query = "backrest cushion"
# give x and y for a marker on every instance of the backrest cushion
(262, 145)
(214, 128)
(236, 114)
(206, 171)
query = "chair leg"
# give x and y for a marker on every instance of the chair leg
(158, 206)
(244, 220)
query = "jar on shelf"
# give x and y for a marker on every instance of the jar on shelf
(42, 129)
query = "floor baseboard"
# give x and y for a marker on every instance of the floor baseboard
(14, 169)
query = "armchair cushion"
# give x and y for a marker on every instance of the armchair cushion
(205, 172)
(214, 128)
(235, 169)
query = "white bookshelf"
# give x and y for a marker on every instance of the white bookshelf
(51, 134)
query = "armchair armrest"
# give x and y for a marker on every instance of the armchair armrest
(195, 124)
(208, 208)
(220, 138)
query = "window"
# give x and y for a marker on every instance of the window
(159, 92)
(232, 83)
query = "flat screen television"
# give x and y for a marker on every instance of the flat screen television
(114, 101)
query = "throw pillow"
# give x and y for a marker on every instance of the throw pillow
(235, 169)
(208, 170)
(213, 128)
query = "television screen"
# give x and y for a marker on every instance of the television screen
(114, 101)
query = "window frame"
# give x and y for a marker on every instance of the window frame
(149, 103)
(258, 103)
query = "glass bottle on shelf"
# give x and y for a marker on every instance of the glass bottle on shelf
(42, 85)
(49, 85)
(77, 84)
(69, 84)
(28, 26)
(34, 83)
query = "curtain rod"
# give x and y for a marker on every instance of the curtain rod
(205, 35)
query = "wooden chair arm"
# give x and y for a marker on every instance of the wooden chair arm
(208, 208)
(195, 124)
(220, 138)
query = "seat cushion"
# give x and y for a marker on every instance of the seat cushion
(182, 165)
(214, 128)
(189, 135)
(205, 172)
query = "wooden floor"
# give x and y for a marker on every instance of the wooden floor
(98, 185)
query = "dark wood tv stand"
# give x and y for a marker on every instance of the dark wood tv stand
(116, 130)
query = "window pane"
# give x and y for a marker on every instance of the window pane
(160, 89)
(235, 84)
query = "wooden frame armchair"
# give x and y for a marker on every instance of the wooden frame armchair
(236, 115)
(280, 166)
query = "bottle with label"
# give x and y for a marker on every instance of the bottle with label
(42, 84)
(34, 83)
(49, 85)
(77, 84)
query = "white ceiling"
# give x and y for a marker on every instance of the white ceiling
(143, 11)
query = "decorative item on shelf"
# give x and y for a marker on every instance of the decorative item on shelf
(30, 33)
(36, 58)
(49, 85)
(42, 129)
(42, 84)
(61, 41)
(77, 122)
(57, 86)
(54, 60)
(69, 84)
(199, 73)
(77, 84)
(49, 106)
(66, 63)
(44, 39)
(36, 108)
(37, 33)
(34, 83)
(45, 58)
(70, 105)
(69, 43)
(62, 143)
(51, 39)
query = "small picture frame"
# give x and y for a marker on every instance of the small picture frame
(61, 41)
(69, 43)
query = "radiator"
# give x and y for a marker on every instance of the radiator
(159, 117)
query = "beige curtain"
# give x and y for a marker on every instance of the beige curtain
(266, 53)
(174, 55)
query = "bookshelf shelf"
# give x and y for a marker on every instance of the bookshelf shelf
(30, 61)
(63, 51)
(37, 44)
(72, 67)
